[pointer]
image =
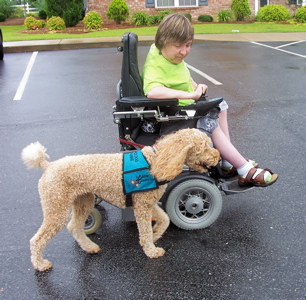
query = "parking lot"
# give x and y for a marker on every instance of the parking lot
(255, 250)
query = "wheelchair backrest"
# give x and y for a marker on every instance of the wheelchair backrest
(131, 82)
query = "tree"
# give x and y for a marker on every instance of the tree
(118, 11)
(240, 9)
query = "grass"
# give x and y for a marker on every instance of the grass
(12, 33)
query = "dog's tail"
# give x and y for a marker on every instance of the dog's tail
(35, 156)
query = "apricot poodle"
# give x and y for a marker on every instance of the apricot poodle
(71, 182)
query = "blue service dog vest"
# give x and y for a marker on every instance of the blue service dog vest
(136, 175)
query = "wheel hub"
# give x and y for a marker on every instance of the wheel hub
(194, 205)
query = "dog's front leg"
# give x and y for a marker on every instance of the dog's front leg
(143, 216)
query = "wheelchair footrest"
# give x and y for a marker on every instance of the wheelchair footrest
(232, 187)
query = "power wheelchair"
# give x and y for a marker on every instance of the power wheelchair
(192, 200)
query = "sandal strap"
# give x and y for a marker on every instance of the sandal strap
(259, 178)
(249, 177)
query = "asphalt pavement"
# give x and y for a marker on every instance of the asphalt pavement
(82, 43)
(256, 248)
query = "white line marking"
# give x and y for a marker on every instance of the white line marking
(304, 56)
(214, 81)
(293, 43)
(25, 77)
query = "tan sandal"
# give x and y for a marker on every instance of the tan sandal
(258, 180)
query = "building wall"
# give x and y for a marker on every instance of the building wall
(213, 7)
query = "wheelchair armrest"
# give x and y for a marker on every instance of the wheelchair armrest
(143, 101)
(204, 106)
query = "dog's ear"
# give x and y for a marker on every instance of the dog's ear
(169, 162)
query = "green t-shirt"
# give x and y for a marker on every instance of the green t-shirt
(158, 71)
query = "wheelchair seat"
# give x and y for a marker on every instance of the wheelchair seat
(138, 117)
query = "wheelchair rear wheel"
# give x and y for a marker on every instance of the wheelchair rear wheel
(194, 204)
(93, 222)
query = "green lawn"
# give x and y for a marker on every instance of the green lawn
(12, 33)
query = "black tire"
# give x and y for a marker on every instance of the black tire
(194, 204)
(93, 222)
(1, 46)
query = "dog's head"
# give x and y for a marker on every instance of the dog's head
(188, 147)
(201, 156)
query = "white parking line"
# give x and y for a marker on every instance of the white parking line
(278, 49)
(293, 43)
(25, 77)
(214, 81)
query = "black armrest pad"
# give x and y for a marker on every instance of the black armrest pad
(141, 101)
(204, 106)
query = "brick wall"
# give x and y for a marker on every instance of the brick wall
(214, 6)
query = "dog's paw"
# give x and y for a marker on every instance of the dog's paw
(44, 266)
(155, 253)
(92, 248)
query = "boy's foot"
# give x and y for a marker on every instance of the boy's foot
(258, 177)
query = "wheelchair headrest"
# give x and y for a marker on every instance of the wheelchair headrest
(131, 81)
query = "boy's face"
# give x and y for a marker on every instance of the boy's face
(176, 52)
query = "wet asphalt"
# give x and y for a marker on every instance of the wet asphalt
(256, 248)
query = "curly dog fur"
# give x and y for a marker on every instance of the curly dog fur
(71, 182)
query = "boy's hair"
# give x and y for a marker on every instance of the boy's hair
(174, 28)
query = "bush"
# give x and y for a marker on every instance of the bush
(224, 15)
(154, 19)
(205, 18)
(56, 23)
(69, 10)
(273, 12)
(93, 20)
(31, 23)
(30, 14)
(72, 15)
(300, 14)
(188, 16)
(118, 11)
(2, 17)
(18, 13)
(42, 14)
(240, 9)
(6, 8)
(141, 18)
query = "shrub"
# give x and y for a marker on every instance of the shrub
(18, 13)
(93, 20)
(56, 23)
(72, 14)
(6, 8)
(42, 14)
(188, 16)
(30, 14)
(69, 10)
(141, 18)
(224, 15)
(273, 12)
(154, 19)
(205, 18)
(300, 14)
(31, 23)
(118, 11)
(240, 9)
(2, 17)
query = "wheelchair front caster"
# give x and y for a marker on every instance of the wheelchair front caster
(93, 222)
(194, 204)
